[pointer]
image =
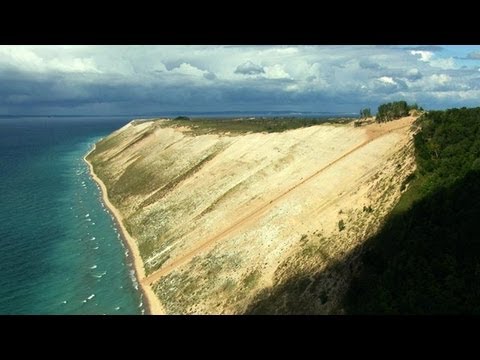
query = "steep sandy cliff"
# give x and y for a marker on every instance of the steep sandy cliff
(221, 220)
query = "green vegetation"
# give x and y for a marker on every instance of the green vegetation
(251, 280)
(182, 118)
(341, 225)
(394, 110)
(426, 258)
(245, 125)
(365, 113)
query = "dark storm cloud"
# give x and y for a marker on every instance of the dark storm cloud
(209, 76)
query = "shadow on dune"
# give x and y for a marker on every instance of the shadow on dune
(425, 260)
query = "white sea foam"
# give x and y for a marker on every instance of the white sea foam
(93, 267)
(91, 297)
(117, 308)
(95, 248)
(87, 215)
(93, 238)
(99, 276)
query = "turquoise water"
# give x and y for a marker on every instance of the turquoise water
(60, 252)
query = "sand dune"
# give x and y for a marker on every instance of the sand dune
(218, 218)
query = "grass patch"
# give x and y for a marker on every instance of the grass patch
(251, 280)
(204, 126)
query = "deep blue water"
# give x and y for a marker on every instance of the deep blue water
(58, 245)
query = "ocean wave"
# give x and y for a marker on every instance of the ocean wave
(89, 298)
(99, 276)
(93, 267)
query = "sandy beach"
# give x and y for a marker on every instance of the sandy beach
(154, 307)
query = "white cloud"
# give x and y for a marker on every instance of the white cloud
(425, 56)
(27, 59)
(440, 79)
(445, 64)
(276, 71)
(188, 69)
(76, 65)
(430, 58)
(387, 80)
(414, 74)
(292, 87)
(22, 57)
(231, 74)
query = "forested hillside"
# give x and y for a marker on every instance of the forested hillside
(426, 259)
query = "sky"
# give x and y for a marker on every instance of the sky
(104, 80)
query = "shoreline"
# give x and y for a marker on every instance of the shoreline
(154, 306)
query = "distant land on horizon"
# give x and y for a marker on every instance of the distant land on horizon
(196, 114)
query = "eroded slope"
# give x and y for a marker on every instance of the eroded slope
(220, 219)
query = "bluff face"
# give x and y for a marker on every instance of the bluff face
(223, 218)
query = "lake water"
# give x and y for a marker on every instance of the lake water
(60, 252)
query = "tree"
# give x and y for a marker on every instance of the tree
(393, 110)
(365, 113)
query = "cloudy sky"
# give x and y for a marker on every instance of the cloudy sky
(155, 79)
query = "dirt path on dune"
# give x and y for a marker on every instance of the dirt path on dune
(373, 131)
